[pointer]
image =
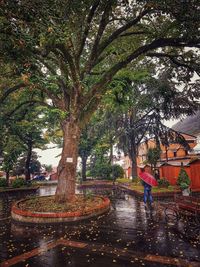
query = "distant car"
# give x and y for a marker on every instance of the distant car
(39, 178)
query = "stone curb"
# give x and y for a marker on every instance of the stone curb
(154, 194)
(14, 190)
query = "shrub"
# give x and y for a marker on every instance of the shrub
(102, 171)
(18, 182)
(183, 179)
(117, 171)
(163, 182)
(3, 182)
(183, 186)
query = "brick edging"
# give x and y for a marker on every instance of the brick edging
(53, 217)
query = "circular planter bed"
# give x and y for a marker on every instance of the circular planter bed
(46, 210)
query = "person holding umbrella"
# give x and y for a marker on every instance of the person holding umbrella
(148, 182)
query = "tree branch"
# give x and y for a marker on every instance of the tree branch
(87, 28)
(73, 70)
(52, 70)
(11, 90)
(100, 86)
(133, 33)
(174, 59)
(112, 37)
(139, 140)
(26, 103)
(102, 25)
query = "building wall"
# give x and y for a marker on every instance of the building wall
(195, 174)
(171, 173)
(173, 151)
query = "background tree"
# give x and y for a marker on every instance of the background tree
(24, 123)
(34, 166)
(59, 47)
(11, 153)
(47, 168)
(139, 103)
(90, 137)
(153, 155)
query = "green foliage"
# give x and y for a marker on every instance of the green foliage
(34, 166)
(88, 194)
(183, 186)
(88, 173)
(48, 168)
(102, 170)
(153, 155)
(18, 182)
(117, 171)
(183, 179)
(67, 52)
(163, 182)
(3, 182)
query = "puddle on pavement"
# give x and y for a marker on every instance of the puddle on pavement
(127, 226)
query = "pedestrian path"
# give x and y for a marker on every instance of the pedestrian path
(127, 236)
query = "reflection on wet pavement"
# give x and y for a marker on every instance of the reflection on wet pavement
(128, 235)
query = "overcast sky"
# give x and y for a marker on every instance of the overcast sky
(49, 156)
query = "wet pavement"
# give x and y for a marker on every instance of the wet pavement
(128, 235)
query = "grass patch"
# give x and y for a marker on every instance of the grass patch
(156, 189)
(48, 204)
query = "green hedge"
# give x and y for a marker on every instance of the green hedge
(106, 171)
(3, 182)
(18, 182)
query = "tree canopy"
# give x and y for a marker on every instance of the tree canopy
(69, 52)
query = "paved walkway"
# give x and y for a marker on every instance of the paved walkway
(126, 236)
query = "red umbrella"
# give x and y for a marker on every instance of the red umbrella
(148, 178)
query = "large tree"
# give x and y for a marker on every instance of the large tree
(59, 46)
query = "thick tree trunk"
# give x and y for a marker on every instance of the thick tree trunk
(67, 166)
(134, 170)
(7, 177)
(133, 158)
(84, 167)
(27, 163)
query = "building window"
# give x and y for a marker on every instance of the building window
(186, 152)
(175, 154)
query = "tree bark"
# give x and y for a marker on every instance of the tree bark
(27, 163)
(67, 166)
(84, 167)
(133, 157)
(133, 169)
(7, 177)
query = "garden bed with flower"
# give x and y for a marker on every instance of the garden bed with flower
(46, 210)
